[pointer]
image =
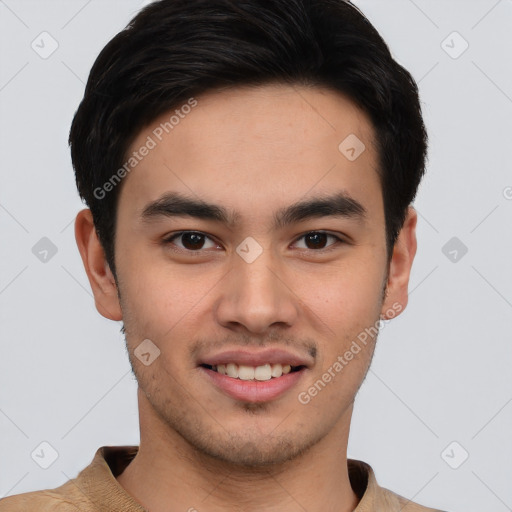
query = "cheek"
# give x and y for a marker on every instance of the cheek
(159, 299)
(347, 296)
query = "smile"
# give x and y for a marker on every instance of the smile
(260, 373)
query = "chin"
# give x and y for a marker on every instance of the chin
(247, 447)
(254, 453)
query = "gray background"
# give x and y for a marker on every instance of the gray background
(441, 373)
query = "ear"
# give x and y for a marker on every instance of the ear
(397, 294)
(98, 271)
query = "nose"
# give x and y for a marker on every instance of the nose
(256, 296)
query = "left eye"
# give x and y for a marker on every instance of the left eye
(317, 240)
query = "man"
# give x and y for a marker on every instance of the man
(249, 169)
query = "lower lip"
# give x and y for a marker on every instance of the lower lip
(254, 390)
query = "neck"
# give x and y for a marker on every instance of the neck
(168, 470)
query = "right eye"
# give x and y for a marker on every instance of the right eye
(192, 241)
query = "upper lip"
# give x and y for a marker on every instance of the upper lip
(256, 358)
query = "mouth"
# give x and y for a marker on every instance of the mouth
(254, 373)
(254, 377)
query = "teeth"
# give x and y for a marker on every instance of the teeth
(277, 370)
(232, 370)
(262, 373)
(245, 372)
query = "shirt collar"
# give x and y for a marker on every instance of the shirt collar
(98, 483)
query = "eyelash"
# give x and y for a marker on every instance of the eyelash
(169, 240)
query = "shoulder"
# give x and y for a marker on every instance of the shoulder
(375, 497)
(408, 506)
(40, 501)
(94, 485)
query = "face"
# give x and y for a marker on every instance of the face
(248, 243)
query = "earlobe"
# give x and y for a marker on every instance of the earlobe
(400, 268)
(100, 276)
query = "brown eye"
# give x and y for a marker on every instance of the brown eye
(191, 241)
(317, 240)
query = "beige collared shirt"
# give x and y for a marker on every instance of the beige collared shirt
(96, 489)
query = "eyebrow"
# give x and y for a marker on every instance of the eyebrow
(173, 204)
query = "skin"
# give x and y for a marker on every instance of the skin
(252, 150)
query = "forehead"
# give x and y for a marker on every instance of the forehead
(254, 147)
